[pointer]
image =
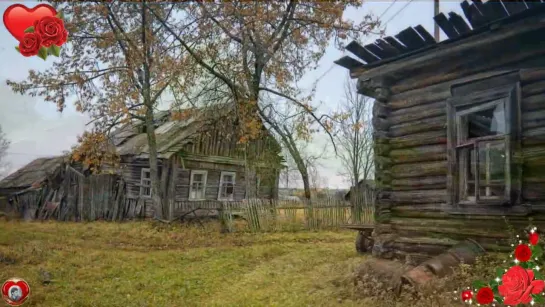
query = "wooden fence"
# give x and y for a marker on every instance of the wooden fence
(103, 197)
(272, 215)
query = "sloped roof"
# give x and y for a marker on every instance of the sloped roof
(482, 17)
(171, 135)
(33, 173)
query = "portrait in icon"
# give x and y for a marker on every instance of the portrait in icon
(15, 293)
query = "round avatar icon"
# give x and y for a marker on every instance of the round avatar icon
(15, 291)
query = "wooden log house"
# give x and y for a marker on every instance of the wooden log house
(200, 159)
(459, 128)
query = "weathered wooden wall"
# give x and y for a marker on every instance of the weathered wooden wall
(411, 161)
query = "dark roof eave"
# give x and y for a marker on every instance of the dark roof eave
(425, 50)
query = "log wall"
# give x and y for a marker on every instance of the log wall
(411, 157)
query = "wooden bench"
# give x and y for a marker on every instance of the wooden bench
(364, 239)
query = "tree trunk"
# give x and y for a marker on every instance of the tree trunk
(156, 193)
(153, 164)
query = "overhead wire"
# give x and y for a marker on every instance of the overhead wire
(386, 10)
(397, 13)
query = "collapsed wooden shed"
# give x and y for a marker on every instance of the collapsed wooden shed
(459, 128)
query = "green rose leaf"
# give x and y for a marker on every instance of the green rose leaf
(538, 275)
(60, 15)
(537, 251)
(478, 284)
(30, 29)
(499, 299)
(17, 48)
(500, 272)
(538, 298)
(54, 50)
(42, 53)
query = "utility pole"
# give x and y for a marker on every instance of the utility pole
(435, 13)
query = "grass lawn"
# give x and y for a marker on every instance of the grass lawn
(142, 264)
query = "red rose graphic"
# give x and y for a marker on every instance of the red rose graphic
(30, 44)
(518, 284)
(485, 296)
(52, 31)
(533, 238)
(523, 253)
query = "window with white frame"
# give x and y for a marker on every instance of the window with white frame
(197, 185)
(227, 186)
(145, 183)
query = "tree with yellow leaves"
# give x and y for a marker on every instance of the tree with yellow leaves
(118, 63)
(259, 48)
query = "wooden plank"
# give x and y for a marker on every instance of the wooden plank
(376, 51)
(396, 44)
(532, 3)
(477, 18)
(459, 23)
(466, 8)
(348, 62)
(446, 26)
(493, 10)
(387, 48)
(514, 7)
(410, 38)
(428, 38)
(361, 52)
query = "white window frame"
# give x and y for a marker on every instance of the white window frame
(144, 185)
(205, 178)
(221, 185)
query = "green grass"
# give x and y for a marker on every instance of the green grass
(142, 264)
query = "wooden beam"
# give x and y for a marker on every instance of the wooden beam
(493, 10)
(376, 51)
(387, 48)
(425, 35)
(348, 62)
(446, 26)
(514, 7)
(396, 44)
(361, 52)
(410, 38)
(459, 23)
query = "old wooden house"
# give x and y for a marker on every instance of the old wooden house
(459, 128)
(200, 160)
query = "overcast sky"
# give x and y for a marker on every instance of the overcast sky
(36, 129)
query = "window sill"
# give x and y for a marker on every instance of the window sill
(196, 199)
(491, 210)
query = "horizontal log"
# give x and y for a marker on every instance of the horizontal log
(419, 197)
(418, 247)
(531, 75)
(533, 88)
(422, 125)
(417, 112)
(419, 139)
(410, 170)
(534, 102)
(534, 155)
(432, 93)
(534, 136)
(533, 191)
(422, 182)
(380, 109)
(419, 154)
(477, 222)
(456, 233)
(533, 119)
(380, 124)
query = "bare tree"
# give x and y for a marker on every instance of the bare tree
(4, 145)
(354, 135)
